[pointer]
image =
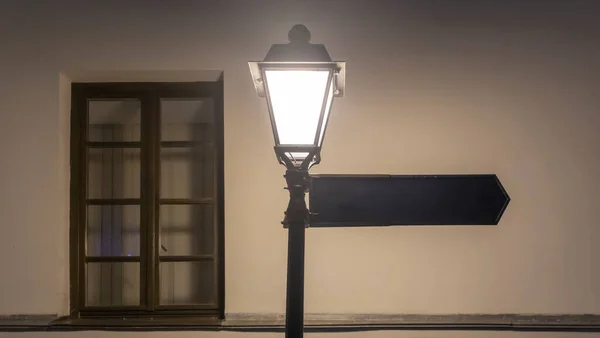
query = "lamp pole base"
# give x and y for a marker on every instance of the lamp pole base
(294, 316)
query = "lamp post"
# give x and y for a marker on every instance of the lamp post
(299, 81)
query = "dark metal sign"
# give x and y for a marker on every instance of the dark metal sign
(384, 200)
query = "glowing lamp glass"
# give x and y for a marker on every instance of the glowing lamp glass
(299, 102)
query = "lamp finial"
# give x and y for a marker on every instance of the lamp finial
(299, 34)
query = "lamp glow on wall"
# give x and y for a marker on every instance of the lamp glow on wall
(299, 82)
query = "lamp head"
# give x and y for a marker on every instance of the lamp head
(299, 81)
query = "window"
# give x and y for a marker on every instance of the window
(147, 199)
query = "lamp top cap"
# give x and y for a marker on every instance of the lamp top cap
(299, 48)
(299, 34)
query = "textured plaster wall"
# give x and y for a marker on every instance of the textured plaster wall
(505, 87)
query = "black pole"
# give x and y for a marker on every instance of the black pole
(296, 218)
(294, 317)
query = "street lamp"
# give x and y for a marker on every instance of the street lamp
(299, 81)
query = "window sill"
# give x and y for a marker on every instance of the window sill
(150, 323)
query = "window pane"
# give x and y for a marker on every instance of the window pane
(113, 284)
(113, 173)
(186, 230)
(186, 119)
(187, 172)
(186, 283)
(113, 230)
(114, 120)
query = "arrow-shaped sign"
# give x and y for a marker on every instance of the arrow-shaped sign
(383, 200)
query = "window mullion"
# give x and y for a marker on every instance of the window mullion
(148, 196)
(155, 184)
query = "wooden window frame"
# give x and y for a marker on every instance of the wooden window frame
(149, 95)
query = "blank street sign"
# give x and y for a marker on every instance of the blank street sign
(384, 200)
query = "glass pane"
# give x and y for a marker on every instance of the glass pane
(297, 98)
(114, 120)
(187, 172)
(113, 173)
(112, 284)
(186, 119)
(186, 230)
(186, 283)
(327, 111)
(113, 230)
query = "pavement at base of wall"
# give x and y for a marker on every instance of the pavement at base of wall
(321, 323)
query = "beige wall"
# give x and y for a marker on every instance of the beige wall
(446, 89)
